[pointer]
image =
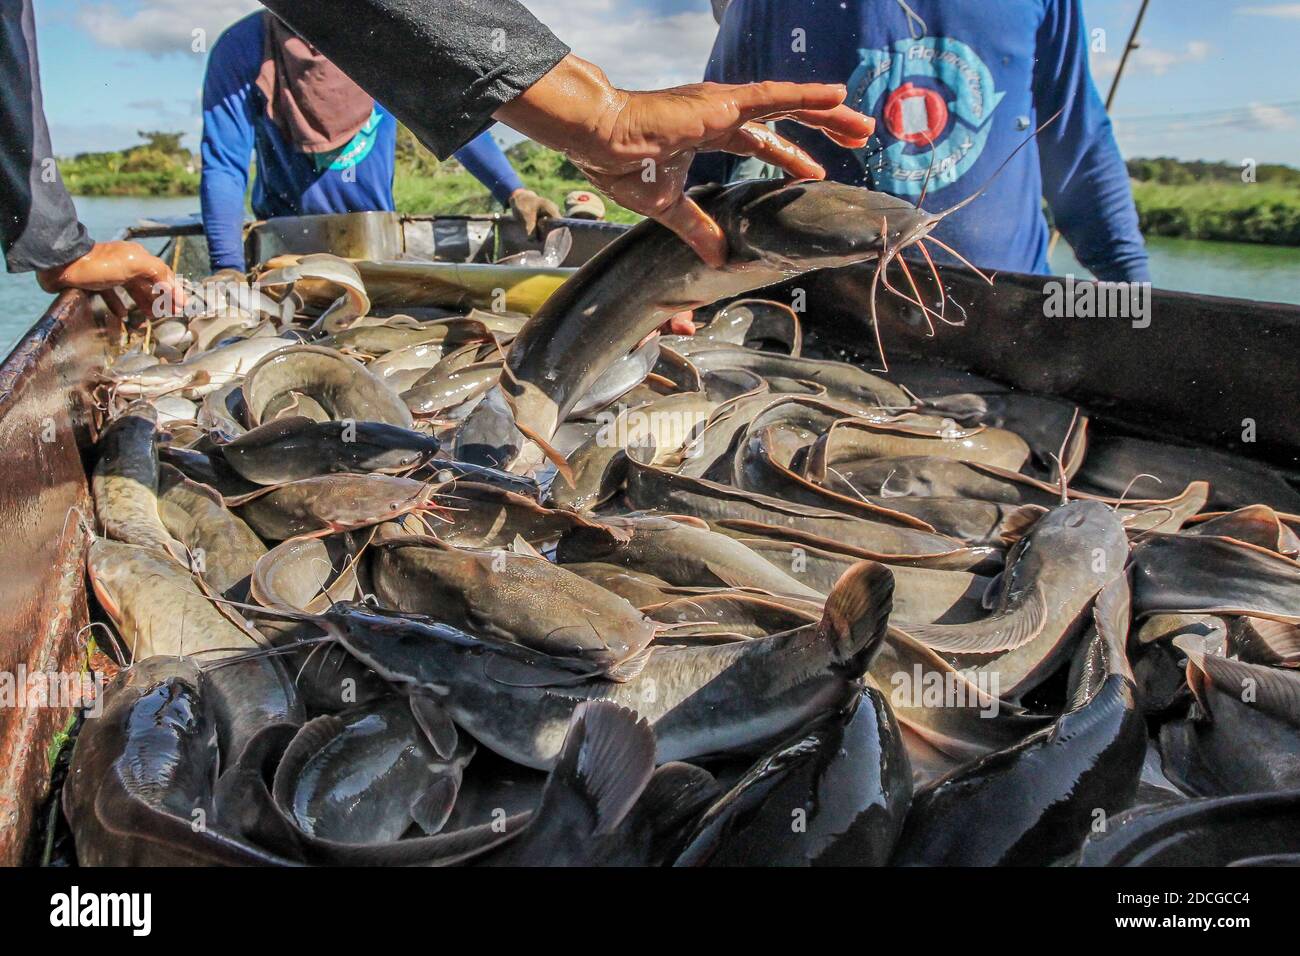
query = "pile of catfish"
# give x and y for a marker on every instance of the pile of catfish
(384, 593)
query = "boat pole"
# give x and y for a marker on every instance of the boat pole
(1129, 47)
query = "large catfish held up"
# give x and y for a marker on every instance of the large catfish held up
(775, 229)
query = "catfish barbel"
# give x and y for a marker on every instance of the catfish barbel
(775, 230)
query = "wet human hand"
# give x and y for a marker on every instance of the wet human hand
(637, 147)
(128, 265)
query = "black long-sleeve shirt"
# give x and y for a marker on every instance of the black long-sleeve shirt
(443, 67)
(38, 223)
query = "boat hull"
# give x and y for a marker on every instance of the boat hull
(46, 423)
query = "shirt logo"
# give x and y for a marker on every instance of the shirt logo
(356, 149)
(932, 95)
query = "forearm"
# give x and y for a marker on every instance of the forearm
(472, 57)
(1094, 210)
(571, 108)
(38, 226)
(485, 161)
(221, 196)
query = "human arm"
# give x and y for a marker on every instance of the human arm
(494, 59)
(226, 150)
(1085, 181)
(39, 229)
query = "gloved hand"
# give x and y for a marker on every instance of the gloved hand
(529, 207)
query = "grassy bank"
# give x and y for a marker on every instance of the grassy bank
(459, 192)
(1240, 212)
(159, 166)
(423, 185)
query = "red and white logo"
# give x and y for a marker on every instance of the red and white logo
(915, 114)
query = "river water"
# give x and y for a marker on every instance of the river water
(1269, 273)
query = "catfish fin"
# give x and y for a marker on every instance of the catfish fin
(607, 759)
(431, 809)
(989, 600)
(856, 615)
(628, 669)
(992, 635)
(436, 724)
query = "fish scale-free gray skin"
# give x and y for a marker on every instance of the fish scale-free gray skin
(249, 695)
(851, 442)
(847, 780)
(921, 595)
(762, 468)
(1204, 832)
(1186, 573)
(1243, 734)
(125, 482)
(358, 785)
(343, 387)
(196, 515)
(1033, 803)
(222, 411)
(700, 701)
(159, 609)
(666, 421)
(681, 554)
(514, 597)
(655, 489)
(775, 230)
(329, 503)
(141, 770)
(931, 476)
(636, 587)
(1064, 560)
(1235, 481)
(842, 381)
(441, 389)
(963, 728)
(288, 449)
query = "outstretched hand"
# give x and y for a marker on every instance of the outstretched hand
(638, 147)
(109, 265)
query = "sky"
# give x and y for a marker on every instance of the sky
(1212, 79)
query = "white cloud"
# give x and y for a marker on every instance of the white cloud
(1254, 117)
(1284, 11)
(1262, 116)
(638, 48)
(161, 27)
(1150, 59)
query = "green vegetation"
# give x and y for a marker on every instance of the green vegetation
(157, 167)
(1212, 201)
(1193, 200)
(422, 184)
(1223, 211)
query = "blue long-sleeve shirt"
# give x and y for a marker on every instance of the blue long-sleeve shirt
(357, 178)
(976, 84)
